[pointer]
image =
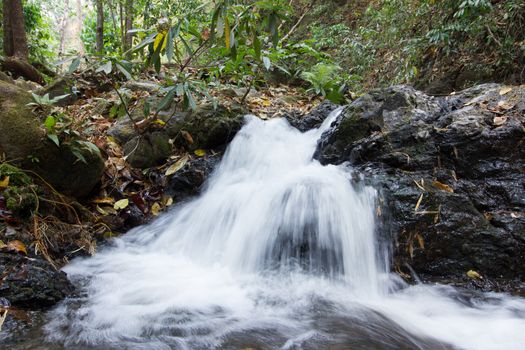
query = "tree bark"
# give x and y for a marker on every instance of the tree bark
(128, 37)
(15, 40)
(100, 27)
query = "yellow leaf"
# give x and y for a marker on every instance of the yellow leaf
(200, 152)
(105, 200)
(4, 183)
(159, 39)
(266, 103)
(17, 246)
(159, 122)
(227, 33)
(168, 202)
(474, 275)
(177, 166)
(121, 204)
(155, 209)
(505, 90)
(443, 187)
(2, 244)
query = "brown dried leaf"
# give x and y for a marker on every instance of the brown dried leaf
(420, 241)
(105, 200)
(443, 187)
(418, 202)
(17, 246)
(177, 166)
(187, 136)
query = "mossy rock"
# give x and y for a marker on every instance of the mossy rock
(16, 176)
(148, 150)
(21, 200)
(213, 127)
(23, 140)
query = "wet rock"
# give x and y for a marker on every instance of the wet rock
(450, 171)
(213, 127)
(189, 180)
(23, 140)
(147, 150)
(314, 118)
(31, 283)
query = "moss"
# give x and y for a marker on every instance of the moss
(16, 176)
(21, 200)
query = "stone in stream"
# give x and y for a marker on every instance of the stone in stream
(451, 171)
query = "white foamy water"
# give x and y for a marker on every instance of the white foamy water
(279, 252)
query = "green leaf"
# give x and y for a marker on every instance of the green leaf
(166, 101)
(267, 63)
(54, 138)
(257, 46)
(124, 70)
(106, 67)
(74, 65)
(50, 123)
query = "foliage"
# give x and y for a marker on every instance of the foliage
(326, 81)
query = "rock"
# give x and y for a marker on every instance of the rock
(211, 127)
(188, 181)
(122, 131)
(147, 150)
(23, 140)
(459, 159)
(60, 87)
(32, 283)
(135, 85)
(314, 118)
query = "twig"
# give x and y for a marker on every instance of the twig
(126, 108)
(296, 25)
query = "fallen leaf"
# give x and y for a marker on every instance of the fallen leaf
(17, 246)
(105, 200)
(443, 187)
(505, 90)
(420, 241)
(101, 211)
(418, 202)
(177, 166)
(200, 152)
(155, 209)
(474, 275)
(187, 136)
(2, 245)
(4, 183)
(499, 121)
(121, 204)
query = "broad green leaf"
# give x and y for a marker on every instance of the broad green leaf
(267, 63)
(54, 138)
(74, 65)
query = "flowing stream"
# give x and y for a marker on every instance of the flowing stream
(279, 252)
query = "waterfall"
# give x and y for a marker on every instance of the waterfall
(279, 252)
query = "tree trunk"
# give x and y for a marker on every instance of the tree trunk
(100, 27)
(15, 41)
(128, 37)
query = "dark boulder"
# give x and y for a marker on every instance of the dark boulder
(314, 118)
(451, 172)
(189, 180)
(31, 283)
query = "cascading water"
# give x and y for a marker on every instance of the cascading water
(279, 252)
